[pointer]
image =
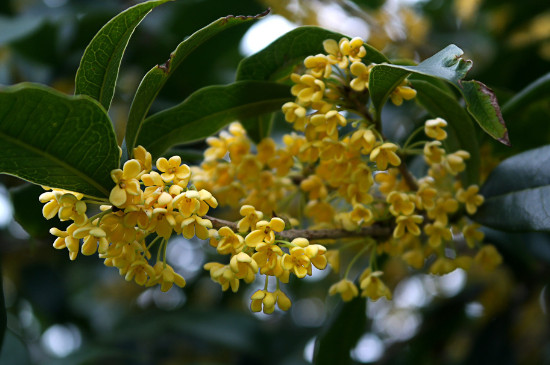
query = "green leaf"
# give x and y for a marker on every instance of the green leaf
(155, 79)
(258, 128)
(208, 110)
(461, 132)
(276, 61)
(482, 103)
(445, 64)
(56, 140)
(517, 193)
(538, 90)
(98, 71)
(3, 316)
(341, 333)
(448, 65)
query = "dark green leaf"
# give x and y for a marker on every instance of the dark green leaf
(517, 193)
(460, 127)
(3, 317)
(98, 70)
(155, 79)
(276, 61)
(341, 333)
(56, 140)
(483, 106)
(208, 110)
(538, 90)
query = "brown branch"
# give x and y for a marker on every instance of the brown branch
(407, 176)
(376, 230)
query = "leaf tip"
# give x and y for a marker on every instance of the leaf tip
(504, 139)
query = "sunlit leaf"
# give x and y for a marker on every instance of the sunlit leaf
(56, 140)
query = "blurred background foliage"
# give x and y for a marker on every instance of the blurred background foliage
(63, 312)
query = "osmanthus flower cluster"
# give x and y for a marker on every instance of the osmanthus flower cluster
(337, 180)
(144, 209)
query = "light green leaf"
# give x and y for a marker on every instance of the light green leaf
(517, 193)
(155, 79)
(460, 127)
(447, 65)
(208, 110)
(276, 61)
(56, 140)
(98, 71)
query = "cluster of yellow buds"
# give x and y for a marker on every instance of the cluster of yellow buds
(260, 250)
(143, 202)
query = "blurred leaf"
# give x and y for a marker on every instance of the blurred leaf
(291, 49)
(258, 128)
(14, 351)
(28, 210)
(537, 90)
(155, 79)
(517, 193)
(208, 110)
(12, 28)
(447, 64)
(98, 70)
(56, 140)
(341, 333)
(3, 316)
(460, 127)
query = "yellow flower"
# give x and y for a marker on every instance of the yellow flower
(432, 128)
(437, 232)
(363, 140)
(361, 215)
(72, 208)
(229, 243)
(442, 266)
(433, 153)
(166, 276)
(400, 203)
(94, 239)
(251, 217)
(297, 262)
(266, 150)
(144, 158)
(244, 267)
(472, 234)
(316, 254)
(217, 149)
(353, 48)
(318, 65)
(126, 183)
(488, 257)
(425, 196)
(409, 223)
(195, 225)
(206, 201)
(173, 170)
(402, 92)
(335, 55)
(66, 239)
(387, 180)
(333, 258)
(267, 300)
(329, 121)
(443, 206)
(385, 154)
(315, 186)
(372, 286)
(223, 275)
(268, 258)
(362, 72)
(470, 198)
(454, 163)
(296, 114)
(345, 288)
(265, 232)
(140, 271)
(415, 258)
(307, 88)
(187, 203)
